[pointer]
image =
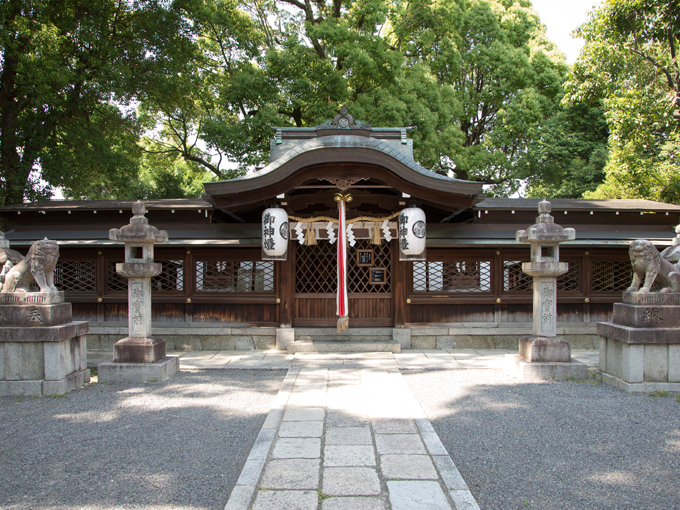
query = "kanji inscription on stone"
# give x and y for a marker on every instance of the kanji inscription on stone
(651, 316)
(34, 316)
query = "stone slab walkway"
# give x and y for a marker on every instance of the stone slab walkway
(348, 438)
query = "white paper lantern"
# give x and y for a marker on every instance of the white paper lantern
(274, 234)
(412, 230)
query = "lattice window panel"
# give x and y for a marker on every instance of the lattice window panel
(359, 277)
(458, 276)
(171, 277)
(611, 276)
(72, 276)
(234, 276)
(514, 279)
(316, 268)
(115, 282)
(569, 281)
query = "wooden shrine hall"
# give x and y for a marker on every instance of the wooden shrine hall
(467, 290)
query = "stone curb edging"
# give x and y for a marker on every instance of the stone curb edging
(459, 491)
(242, 495)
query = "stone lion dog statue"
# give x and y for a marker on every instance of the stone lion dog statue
(650, 267)
(38, 266)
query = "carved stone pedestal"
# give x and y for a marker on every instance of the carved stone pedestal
(640, 348)
(42, 351)
(543, 349)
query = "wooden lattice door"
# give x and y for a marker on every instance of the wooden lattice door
(369, 286)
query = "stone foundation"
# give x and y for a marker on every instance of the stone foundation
(536, 371)
(43, 361)
(211, 337)
(138, 372)
(640, 349)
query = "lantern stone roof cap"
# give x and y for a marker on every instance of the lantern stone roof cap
(545, 229)
(139, 229)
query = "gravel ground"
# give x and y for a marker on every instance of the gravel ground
(179, 444)
(555, 445)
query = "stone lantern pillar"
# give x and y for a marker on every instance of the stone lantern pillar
(139, 356)
(543, 355)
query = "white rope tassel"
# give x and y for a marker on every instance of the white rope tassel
(386, 232)
(331, 232)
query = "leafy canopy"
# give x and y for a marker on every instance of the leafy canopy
(629, 65)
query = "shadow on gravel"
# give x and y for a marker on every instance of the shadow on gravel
(555, 445)
(178, 444)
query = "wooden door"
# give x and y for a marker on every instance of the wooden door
(369, 285)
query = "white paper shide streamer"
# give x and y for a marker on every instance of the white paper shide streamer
(386, 232)
(350, 236)
(300, 235)
(331, 232)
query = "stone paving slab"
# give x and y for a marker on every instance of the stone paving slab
(379, 452)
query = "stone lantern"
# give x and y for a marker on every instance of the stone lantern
(140, 347)
(543, 355)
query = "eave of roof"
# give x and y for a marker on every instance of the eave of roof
(89, 205)
(354, 149)
(576, 204)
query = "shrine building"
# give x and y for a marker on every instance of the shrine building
(216, 291)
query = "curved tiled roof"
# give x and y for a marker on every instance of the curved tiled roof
(363, 149)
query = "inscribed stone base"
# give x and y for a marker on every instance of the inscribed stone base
(543, 349)
(35, 315)
(139, 350)
(138, 372)
(544, 371)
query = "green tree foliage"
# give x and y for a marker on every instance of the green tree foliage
(202, 82)
(69, 73)
(568, 153)
(630, 65)
(474, 79)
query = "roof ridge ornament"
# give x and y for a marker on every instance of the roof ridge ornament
(344, 120)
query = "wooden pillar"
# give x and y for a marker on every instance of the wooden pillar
(287, 288)
(401, 282)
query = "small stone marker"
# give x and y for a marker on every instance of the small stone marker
(140, 356)
(543, 355)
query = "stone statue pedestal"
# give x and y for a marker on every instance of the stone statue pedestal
(42, 351)
(640, 348)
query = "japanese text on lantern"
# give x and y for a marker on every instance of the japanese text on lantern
(403, 231)
(268, 231)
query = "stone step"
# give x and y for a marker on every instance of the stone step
(343, 346)
(344, 338)
(353, 332)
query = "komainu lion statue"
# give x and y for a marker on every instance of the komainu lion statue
(650, 267)
(38, 266)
